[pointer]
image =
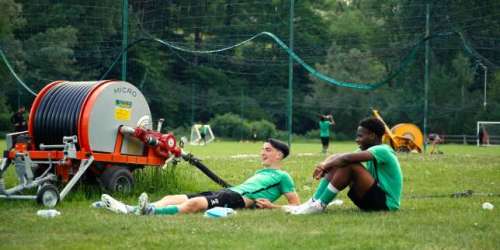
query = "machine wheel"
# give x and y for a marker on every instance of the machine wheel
(117, 179)
(48, 195)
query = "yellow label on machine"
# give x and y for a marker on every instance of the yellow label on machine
(122, 114)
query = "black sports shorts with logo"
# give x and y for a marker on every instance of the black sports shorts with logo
(221, 198)
(373, 200)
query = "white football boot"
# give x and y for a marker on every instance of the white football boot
(114, 205)
(310, 208)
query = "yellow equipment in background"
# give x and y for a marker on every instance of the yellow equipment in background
(404, 137)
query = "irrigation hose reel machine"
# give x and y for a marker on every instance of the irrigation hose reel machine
(403, 137)
(98, 131)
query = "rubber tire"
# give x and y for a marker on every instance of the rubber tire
(48, 189)
(117, 179)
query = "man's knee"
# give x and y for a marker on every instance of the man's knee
(355, 171)
(194, 205)
(352, 167)
(358, 169)
(361, 176)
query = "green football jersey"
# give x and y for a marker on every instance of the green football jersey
(266, 183)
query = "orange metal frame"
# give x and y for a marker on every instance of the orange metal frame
(150, 158)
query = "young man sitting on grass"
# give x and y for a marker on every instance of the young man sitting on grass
(260, 190)
(373, 174)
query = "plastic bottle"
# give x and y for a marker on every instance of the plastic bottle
(488, 206)
(48, 213)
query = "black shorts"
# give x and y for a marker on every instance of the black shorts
(373, 200)
(221, 198)
(325, 141)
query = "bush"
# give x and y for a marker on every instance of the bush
(281, 135)
(5, 115)
(343, 137)
(233, 126)
(312, 134)
(5, 124)
(263, 129)
(230, 126)
(180, 131)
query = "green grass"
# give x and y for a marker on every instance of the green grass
(422, 223)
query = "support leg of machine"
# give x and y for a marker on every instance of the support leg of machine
(84, 165)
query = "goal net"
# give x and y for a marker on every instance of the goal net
(488, 133)
(201, 134)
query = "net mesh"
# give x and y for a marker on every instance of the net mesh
(201, 134)
(488, 133)
(77, 40)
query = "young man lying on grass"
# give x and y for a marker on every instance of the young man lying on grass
(373, 174)
(260, 190)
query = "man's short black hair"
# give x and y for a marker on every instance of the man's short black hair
(279, 145)
(374, 125)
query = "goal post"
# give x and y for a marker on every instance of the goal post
(488, 133)
(197, 132)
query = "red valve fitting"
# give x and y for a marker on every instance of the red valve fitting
(163, 144)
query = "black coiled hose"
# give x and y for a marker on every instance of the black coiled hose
(58, 112)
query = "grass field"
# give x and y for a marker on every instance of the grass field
(429, 218)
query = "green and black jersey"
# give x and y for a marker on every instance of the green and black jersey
(386, 170)
(267, 183)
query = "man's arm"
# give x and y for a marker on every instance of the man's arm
(332, 122)
(341, 160)
(292, 198)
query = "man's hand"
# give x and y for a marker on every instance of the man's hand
(324, 167)
(319, 171)
(264, 203)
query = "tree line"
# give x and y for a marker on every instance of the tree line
(356, 41)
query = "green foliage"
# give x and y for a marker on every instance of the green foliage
(230, 126)
(180, 132)
(360, 41)
(5, 124)
(233, 126)
(54, 58)
(173, 179)
(10, 18)
(313, 133)
(262, 129)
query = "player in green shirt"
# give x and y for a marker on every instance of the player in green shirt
(325, 122)
(260, 190)
(373, 174)
(203, 133)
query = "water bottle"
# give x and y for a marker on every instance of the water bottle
(98, 204)
(488, 206)
(48, 213)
